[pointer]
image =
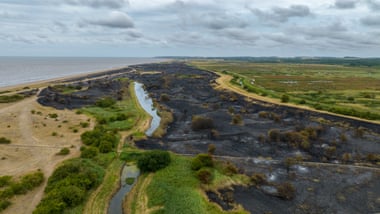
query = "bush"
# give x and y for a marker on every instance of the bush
(32, 180)
(153, 161)
(4, 140)
(100, 138)
(258, 179)
(205, 175)
(202, 160)
(237, 119)
(285, 98)
(64, 151)
(5, 180)
(274, 135)
(105, 102)
(286, 191)
(201, 122)
(4, 204)
(164, 98)
(89, 152)
(230, 169)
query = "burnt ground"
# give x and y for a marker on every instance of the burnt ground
(265, 130)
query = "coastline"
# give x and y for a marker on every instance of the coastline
(68, 78)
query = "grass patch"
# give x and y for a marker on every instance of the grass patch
(11, 98)
(175, 189)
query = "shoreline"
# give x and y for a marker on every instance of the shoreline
(68, 78)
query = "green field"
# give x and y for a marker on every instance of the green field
(348, 90)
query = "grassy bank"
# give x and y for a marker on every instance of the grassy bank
(174, 189)
(346, 90)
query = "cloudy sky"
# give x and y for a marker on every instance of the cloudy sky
(190, 28)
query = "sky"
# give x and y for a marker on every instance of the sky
(147, 28)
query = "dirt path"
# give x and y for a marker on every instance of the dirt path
(224, 83)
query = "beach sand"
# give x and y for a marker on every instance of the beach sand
(36, 137)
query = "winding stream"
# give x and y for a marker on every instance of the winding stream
(147, 104)
(116, 203)
(132, 172)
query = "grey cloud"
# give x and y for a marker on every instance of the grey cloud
(134, 34)
(371, 20)
(239, 35)
(374, 4)
(115, 19)
(99, 3)
(217, 21)
(279, 14)
(345, 4)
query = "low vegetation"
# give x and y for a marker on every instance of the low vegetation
(10, 187)
(70, 185)
(199, 122)
(4, 140)
(11, 98)
(343, 89)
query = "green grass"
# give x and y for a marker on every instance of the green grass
(178, 190)
(348, 90)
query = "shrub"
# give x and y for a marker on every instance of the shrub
(230, 169)
(64, 151)
(105, 102)
(237, 119)
(4, 140)
(100, 138)
(84, 124)
(274, 135)
(258, 179)
(202, 160)
(5, 180)
(4, 204)
(373, 158)
(32, 180)
(53, 115)
(89, 152)
(205, 175)
(285, 98)
(286, 191)
(153, 161)
(200, 122)
(211, 149)
(130, 180)
(164, 98)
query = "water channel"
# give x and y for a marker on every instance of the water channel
(132, 172)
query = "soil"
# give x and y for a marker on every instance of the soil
(337, 186)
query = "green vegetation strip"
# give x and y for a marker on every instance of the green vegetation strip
(345, 90)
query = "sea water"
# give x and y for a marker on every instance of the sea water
(19, 70)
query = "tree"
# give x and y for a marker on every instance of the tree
(286, 191)
(205, 175)
(153, 161)
(202, 160)
(201, 122)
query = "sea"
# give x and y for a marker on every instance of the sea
(20, 70)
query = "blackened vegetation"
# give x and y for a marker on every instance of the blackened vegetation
(242, 127)
(242, 130)
(84, 92)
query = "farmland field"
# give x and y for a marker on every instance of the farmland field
(347, 90)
